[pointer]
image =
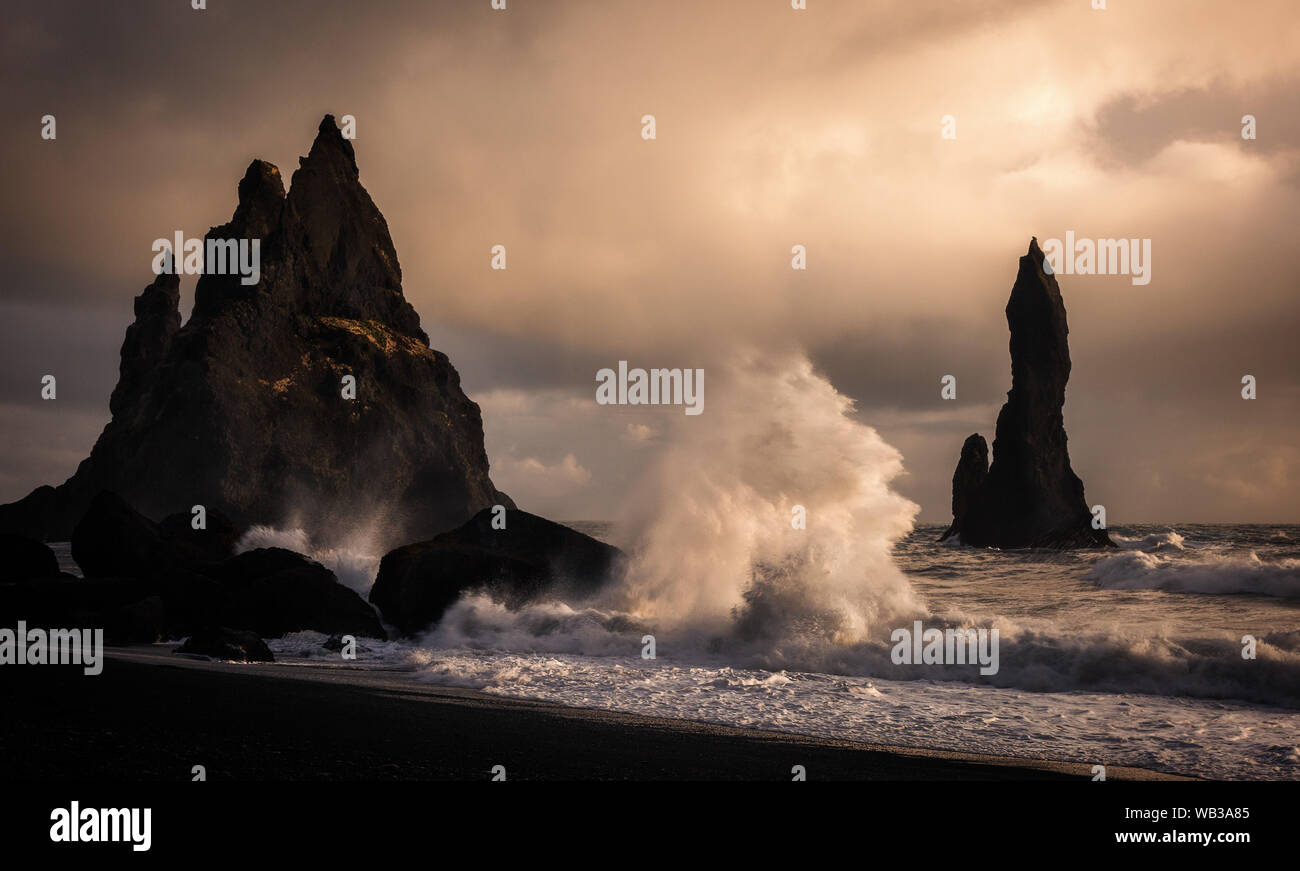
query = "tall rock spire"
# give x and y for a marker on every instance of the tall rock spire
(243, 408)
(1030, 496)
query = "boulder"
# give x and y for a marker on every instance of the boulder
(143, 622)
(530, 559)
(113, 539)
(215, 542)
(229, 644)
(192, 600)
(22, 558)
(68, 602)
(197, 580)
(275, 591)
(32, 516)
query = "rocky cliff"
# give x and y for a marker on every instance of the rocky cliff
(242, 408)
(1030, 496)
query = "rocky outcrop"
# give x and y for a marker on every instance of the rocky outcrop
(275, 591)
(972, 472)
(214, 542)
(530, 559)
(32, 516)
(148, 582)
(1029, 496)
(113, 539)
(242, 410)
(229, 644)
(117, 605)
(22, 558)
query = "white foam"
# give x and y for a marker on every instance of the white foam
(1189, 736)
(1152, 543)
(1213, 574)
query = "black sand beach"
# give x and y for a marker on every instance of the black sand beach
(152, 715)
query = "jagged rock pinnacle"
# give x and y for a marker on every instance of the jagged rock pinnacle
(1030, 496)
(241, 410)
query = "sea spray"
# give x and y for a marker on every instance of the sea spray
(718, 561)
(724, 577)
(352, 561)
(1211, 574)
(762, 535)
(712, 532)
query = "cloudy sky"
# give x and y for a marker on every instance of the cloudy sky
(775, 127)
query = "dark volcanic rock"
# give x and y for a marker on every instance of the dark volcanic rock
(69, 602)
(157, 318)
(113, 539)
(276, 591)
(529, 559)
(22, 558)
(240, 410)
(222, 643)
(972, 472)
(215, 542)
(129, 610)
(1029, 497)
(192, 600)
(142, 622)
(32, 516)
(197, 578)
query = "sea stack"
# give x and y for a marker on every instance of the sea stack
(1029, 497)
(310, 397)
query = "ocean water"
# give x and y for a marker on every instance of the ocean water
(1128, 657)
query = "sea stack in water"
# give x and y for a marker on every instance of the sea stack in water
(309, 397)
(1029, 497)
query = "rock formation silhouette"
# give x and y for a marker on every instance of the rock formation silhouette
(241, 410)
(1030, 496)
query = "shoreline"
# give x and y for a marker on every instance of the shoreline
(277, 722)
